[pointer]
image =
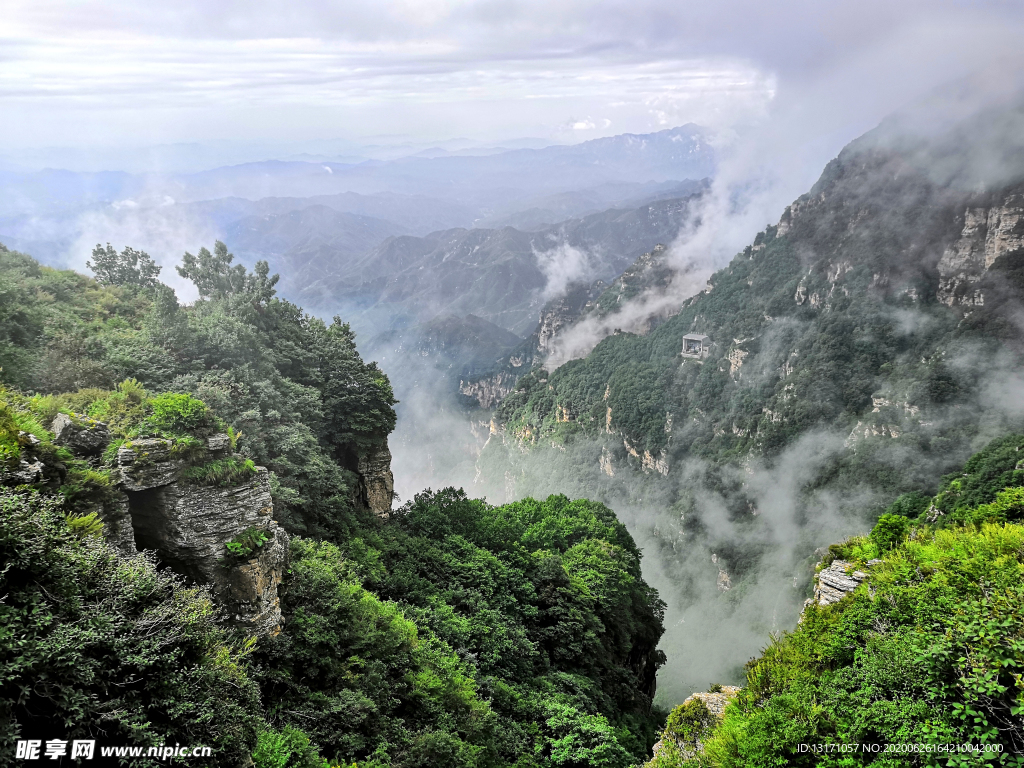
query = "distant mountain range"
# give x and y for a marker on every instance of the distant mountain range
(480, 180)
(59, 215)
(502, 275)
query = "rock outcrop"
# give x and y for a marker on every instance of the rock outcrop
(29, 468)
(153, 506)
(376, 482)
(715, 701)
(835, 582)
(491, 389)
(988, 233)
(81, 435)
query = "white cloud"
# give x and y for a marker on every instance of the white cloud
(111, 72)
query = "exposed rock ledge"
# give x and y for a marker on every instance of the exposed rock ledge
(188, 526)
(835, 582)
(376, 481)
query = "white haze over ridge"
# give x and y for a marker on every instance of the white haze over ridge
(766, 169)
(561, 266)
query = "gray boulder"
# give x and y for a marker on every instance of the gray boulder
(81, 435)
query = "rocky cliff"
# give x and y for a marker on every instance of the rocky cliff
(217, 533)
(990, 231)
(837, 580)
(189, 527)
(376, 481)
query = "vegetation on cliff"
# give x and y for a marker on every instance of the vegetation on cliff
(455, 633)
(305, 404)
(928, 651)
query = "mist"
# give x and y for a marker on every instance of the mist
(164, 138)
(731, 547)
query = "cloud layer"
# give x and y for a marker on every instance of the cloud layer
(112, 71)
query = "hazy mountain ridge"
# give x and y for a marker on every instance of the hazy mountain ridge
(879, 237)
(302, 243)
(501, 275)
(459, 344)
(677, 153)
(548, 210)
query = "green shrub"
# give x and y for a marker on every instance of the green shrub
(933, 654)
(189, 449)
(910, 504)
(15, 419)
(360, 677)
(1007, 506)
(110, 452)
(287, 748)
(10, 444)
(85, 525)
(889, 531)
(688, 722)
(174, 413)
(245, 544)
(221, 473)
(85, 485)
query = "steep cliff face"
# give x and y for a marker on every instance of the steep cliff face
(556, 316)
(989, 232)
(154, 505)
(376, 481)
(491, 389)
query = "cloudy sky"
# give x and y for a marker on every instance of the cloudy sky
(93, 73)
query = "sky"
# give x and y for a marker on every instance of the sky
(130, 73)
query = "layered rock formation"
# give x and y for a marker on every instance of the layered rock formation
(153, 506)
(491, 389)
(188, 526)
(81, 435)
(835, 582)
(376, 481)
(988, 233)
(30, 469)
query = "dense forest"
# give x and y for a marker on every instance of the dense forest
(450, 632)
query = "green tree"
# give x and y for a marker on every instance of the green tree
(216, 277)
(889, 531)
(358, 402)
(129, 267)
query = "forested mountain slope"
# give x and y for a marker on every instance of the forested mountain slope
(199, 547)
(885, 305)
(502, 275)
